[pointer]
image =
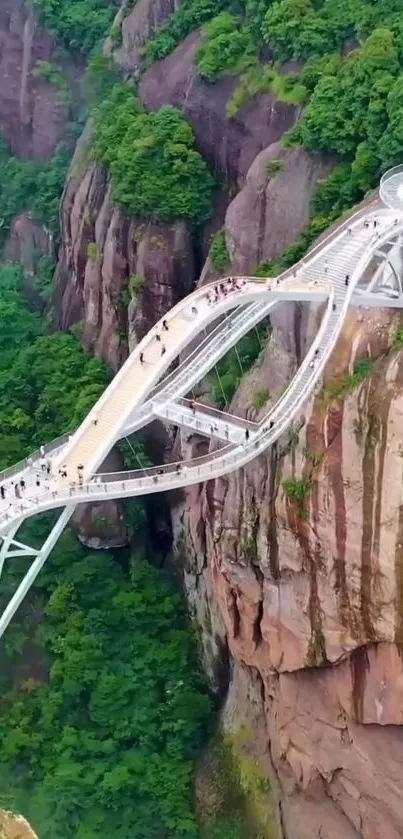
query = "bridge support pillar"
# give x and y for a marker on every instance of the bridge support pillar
(11, 548)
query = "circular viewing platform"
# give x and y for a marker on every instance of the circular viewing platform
(391, 188)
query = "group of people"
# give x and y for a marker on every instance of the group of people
(158, 339)
(18, 491)
(221, 290)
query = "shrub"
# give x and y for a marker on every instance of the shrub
(274, 167)
(187, 17)
(219, 252)
(226, 48)
(93, 251)
(298, 490)
(229, 371)
(79, 24)
(260, 398)
(155, 169)
(344, 386)
(137, 285)
(397, 343)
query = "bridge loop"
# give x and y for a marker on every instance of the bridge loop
(335, 273)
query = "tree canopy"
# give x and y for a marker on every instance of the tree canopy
(79, 24)
(155, 169)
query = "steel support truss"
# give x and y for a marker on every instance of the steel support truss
(12, 548)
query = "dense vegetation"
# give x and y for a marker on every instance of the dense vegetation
(79, 24)
(106, 746)
(155, 170)
(36, 187)
(227, 376)
(47, 382)
(351, 82)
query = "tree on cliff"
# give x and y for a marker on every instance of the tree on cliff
(155, 169)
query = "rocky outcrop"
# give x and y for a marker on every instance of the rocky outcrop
(230, 145)
(138, 25)
(116, 275)
(33, 113)
(261, 221)
(310, 592)
(28, 244)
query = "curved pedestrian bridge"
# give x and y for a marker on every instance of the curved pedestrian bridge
(358, 264)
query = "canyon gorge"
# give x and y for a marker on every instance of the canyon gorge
(298, 603)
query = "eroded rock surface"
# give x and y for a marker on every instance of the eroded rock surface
(230, 145)
(33, 114)
(311, 594)
(102, 249)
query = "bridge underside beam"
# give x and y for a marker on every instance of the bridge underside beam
(41, 555)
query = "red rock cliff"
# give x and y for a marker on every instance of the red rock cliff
(311, 599)
(33, 114)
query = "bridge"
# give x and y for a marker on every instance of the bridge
(357, 264)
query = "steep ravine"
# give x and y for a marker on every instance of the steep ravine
(298, 614)
(311, 602)
(299, 607)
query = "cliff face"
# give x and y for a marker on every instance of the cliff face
(33, 114)
(302, 599)
(310, 594)
(101, 250)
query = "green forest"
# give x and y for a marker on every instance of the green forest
(99, 738)
(104, 709)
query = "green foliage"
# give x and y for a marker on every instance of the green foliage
(93, 251)
(47, 382)
(236, 803)
(317, 648)
(46, 70)
(155, 170)
(79, 24)
(31, 186)
(226, 48)
(298, 491)
(102, 74)
(188, 16)
(106, 746)
(260, 398)
(262, 78)
(137, 285)
(274, 167)
(219, 251)
(344, 386)
(397, 343)
(116, 36)
(235, 364)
